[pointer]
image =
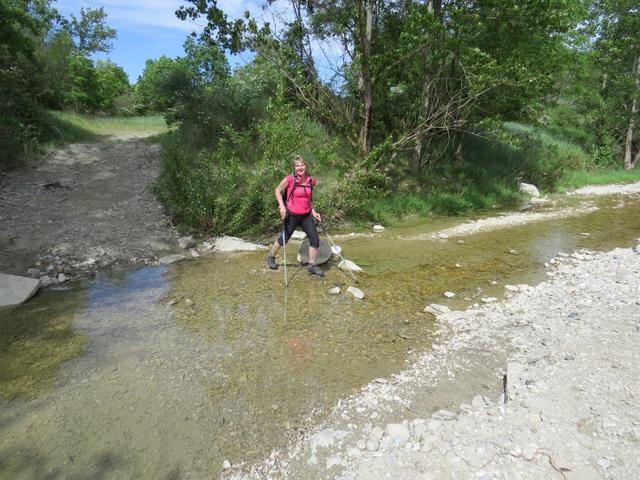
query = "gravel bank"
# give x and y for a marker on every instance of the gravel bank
(570, 349)
(85, 207)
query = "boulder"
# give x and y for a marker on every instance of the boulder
(324, 253)
(15, 289)
(298, 235)
(529, 189)
(378, 228)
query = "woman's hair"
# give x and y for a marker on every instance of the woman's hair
(299, 158)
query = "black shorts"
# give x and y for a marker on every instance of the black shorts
(308, 226)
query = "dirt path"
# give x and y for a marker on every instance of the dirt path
(82, 208)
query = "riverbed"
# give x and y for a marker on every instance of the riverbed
(170, 371)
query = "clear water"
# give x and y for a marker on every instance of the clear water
(164, 373)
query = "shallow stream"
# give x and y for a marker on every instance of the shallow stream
(166, 372)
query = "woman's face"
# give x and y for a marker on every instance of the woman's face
(300, 168)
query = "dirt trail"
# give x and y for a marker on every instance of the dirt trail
(84, 207)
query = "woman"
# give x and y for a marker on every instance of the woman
(295, 199)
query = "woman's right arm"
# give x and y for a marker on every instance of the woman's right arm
(280, 189)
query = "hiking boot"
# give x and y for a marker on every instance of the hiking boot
(314, 270)
(271, 262)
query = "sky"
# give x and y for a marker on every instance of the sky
(148, 29)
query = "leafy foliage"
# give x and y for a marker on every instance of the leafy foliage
(44, 63)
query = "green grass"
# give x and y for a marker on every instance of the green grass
(398, 206)
(78, 127)
(572, 153)
(581, 178)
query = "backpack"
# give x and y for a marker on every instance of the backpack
(286, 195)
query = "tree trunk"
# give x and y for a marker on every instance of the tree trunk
(367, 82)
(629, 157)
(433, 7)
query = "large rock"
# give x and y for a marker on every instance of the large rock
(15, 290)
(324, 253)
(186, 242)
(234, 244)
(529, 189)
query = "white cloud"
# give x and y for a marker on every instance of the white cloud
(132, 14)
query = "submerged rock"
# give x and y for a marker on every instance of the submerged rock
(348, 265)
(356, 292)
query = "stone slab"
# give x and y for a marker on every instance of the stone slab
(15, 290)
(324, 253)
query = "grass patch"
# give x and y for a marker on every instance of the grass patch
(399, 206)
(581, 178)
(78, 127)
(572, 154)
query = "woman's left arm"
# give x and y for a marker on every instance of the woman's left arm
(315, 214)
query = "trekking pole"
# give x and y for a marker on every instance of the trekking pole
(284, 246)
(338, 249)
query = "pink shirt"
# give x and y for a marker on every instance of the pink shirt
(299, 202)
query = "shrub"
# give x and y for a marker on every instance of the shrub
(230, 188)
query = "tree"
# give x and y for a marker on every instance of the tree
(54, 56)
(91, 32)
(617, 50)
(163, 83)
(19, 85)
(83, 92)
(206, 60)
(112, 82)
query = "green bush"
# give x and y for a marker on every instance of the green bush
(357, 192)
(230, 188)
